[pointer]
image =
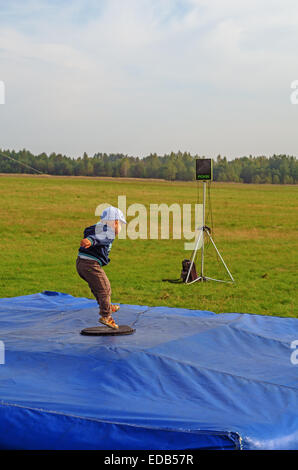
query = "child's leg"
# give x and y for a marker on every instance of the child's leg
(98, 282)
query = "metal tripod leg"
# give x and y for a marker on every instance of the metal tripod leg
(222, 260)
(204, 278)
(193, 257)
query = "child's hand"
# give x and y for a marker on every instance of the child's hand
(85, 243)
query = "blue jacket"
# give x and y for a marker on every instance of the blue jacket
(101, 237)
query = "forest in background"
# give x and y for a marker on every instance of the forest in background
(276, 169)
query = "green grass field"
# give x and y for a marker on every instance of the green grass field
(255, 229)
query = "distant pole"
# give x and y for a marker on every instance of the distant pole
(21, 163)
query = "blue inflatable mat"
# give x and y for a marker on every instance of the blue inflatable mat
(186, 379)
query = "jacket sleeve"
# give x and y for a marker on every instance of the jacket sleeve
(98, 240)
(99, 237)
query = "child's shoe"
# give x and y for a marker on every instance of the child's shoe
(114, 308)
(109, 321)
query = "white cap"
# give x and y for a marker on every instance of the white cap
(113, 213)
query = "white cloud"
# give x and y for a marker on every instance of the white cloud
(17, 46)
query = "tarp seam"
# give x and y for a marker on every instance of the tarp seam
(261, 336)
(219, 371)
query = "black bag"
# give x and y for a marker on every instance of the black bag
(185, 268)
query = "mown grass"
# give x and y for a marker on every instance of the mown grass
(255, 229)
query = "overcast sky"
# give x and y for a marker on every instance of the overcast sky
(141, 76)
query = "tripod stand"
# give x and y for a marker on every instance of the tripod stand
(201, 237)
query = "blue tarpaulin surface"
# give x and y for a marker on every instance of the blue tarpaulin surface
(186, 379)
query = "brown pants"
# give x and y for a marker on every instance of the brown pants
(97, 280)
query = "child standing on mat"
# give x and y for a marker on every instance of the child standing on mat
(94, 254)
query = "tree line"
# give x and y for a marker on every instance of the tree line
(276, 169)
